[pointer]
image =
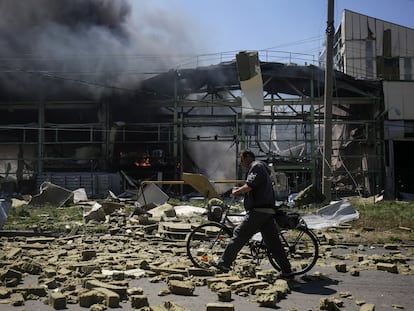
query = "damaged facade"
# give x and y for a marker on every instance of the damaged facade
(372, 49)
(192, 120)
(162, 129)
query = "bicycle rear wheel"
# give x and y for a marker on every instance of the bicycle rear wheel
(302, 249)
(206, 243)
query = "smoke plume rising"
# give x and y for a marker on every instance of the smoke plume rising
(98, 44)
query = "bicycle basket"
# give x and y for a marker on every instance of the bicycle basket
(287, 220)
(215, 209)
(215, 213)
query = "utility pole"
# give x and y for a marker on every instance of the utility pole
(327, 142)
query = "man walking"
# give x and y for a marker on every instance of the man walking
(259, 204)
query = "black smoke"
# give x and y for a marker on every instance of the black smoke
(92, 47)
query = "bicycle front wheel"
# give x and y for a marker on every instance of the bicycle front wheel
(301, 247)
(206, 243)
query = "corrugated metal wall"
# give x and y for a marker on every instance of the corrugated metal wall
(95, 184)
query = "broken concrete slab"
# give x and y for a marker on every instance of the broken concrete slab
(67, 259)
(51, 194)
(57, 301)
(96, 212)
(185, 288)
(389, 267)
(139, 301)
(215, 306)
(94, 284)
(188, 211)
(367, 307)
(112, 299)
(151, 193)
(162, 210)
(79, 195)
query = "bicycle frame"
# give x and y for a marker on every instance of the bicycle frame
(300, 243)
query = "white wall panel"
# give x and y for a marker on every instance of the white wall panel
(399, 100)
(347, 29)
(402, 37)
(379, 35)
(363, 27)
(355, 33)
(372, 26)
(410, 42)
(395, 40)
(356, 27)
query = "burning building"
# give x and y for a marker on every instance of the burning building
(68, 85)
(75, 111)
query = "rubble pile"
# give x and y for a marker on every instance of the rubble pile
(96, 271)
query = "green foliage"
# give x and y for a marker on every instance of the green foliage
(392, 219)
(27, 217)
(386, 215)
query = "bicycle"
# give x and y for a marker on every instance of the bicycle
(206, 242)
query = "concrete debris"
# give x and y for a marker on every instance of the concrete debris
(224, 295)
(367, 307)
(163, 210)
(309, 195)
(98, 271)
(354, 272)
(79, 195)
(96, 212)
(328, 304)
(341, 267)
(51, 194)
(189, 211)
(57, 301)
(151, 193)
(139, 301)
(220, 307)
(389, 267)
(169, 306)
(185, 288)
(395, 306)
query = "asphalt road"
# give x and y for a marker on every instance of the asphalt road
(384, 289)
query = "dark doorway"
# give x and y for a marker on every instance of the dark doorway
(404, 166)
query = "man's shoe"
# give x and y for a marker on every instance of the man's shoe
(222, 267)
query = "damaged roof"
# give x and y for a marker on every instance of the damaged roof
(277, 78)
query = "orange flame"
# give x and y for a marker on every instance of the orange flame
(144, 162)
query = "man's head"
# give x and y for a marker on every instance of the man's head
(246, 157)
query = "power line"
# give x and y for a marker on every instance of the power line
(89, 83)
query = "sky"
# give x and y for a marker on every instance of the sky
(122, 42)
(221, 26)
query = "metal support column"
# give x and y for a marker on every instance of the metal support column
(312, 138)
(40, 136)
(327, 148)
(175, 125)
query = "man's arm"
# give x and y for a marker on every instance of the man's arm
(240, 190)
